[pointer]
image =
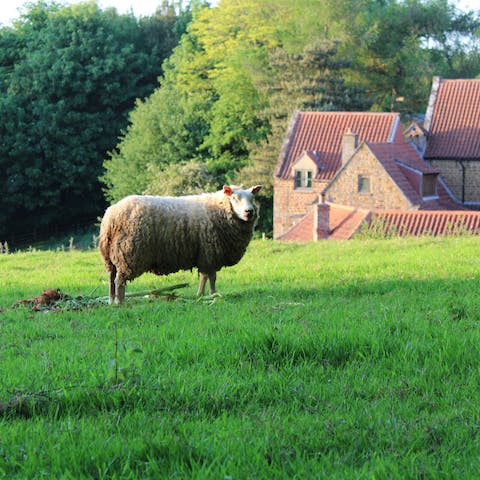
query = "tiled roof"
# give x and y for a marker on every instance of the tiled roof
(404, 152)
(397, 159)
(344, 223)
(387, 155)
(455, 124)
(423, 222)
(301, 231)
(322, 133)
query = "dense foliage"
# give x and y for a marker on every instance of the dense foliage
(90, 106)
(243, 67)
(68, 78)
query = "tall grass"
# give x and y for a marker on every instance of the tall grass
(340, 360)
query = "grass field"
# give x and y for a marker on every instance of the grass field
(335, 360)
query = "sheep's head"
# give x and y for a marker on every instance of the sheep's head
(243, 202)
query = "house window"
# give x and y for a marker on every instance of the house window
(429, 186)
(303, 178)
(363, 184)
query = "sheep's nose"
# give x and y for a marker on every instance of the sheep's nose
(249, 213)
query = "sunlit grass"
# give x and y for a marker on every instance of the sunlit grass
(331, 360)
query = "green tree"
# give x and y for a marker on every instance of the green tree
(243, 67)
(69, 76)
(397, 46)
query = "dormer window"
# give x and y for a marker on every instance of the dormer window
(429, 185)
(303, 178)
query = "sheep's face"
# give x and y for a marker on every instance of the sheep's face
(243, 202)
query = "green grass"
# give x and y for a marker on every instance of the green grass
(356, 359)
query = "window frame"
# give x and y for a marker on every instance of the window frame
(432, 184)
(303, 178)
(363, 180)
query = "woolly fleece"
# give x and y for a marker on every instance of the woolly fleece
(167, 234)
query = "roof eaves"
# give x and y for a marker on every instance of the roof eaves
(394, 128)
(408, 167)
(427, 169)
(452, 157)
(283, 155)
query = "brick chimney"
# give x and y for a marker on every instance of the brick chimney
(321, 221)
(349, 145)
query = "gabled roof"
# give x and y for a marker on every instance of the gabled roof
(322, 132)
(453, 120)
(397, 159)
(414, 129)
(313, 156)
(400, 160)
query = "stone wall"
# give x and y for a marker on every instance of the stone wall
(383, 194)
(451, 172)
(290, 204)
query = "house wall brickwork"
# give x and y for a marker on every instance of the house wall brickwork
(383, 194)
(290, 204)
(452, 174)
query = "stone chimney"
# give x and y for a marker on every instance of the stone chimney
(349, 145)
(321, 221)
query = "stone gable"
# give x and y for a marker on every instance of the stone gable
(382, 192)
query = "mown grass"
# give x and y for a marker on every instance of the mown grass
(354, 359)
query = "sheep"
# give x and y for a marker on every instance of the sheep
(162, 235)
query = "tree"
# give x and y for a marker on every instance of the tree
(242, 69)
(69, 75)
(397, 46)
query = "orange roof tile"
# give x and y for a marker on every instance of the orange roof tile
(322, 132)
(455, 124)
(424, 222)
(344, 223)
(404, 152)
(301, 231)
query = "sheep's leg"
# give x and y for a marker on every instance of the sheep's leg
(212, 277)
(112, 273)
(201, 285)
(120, 288)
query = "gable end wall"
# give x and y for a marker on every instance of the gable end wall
(384, 193)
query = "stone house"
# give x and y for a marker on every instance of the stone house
(450, 137)
(388, 176)
(316, 145)
(338, 171)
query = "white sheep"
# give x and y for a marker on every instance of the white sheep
(144, 233)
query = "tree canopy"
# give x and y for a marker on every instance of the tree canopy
(69, 75)
(242, 68)
(98, 105)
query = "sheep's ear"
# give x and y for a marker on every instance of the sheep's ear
(256, 189)
(227, 190)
